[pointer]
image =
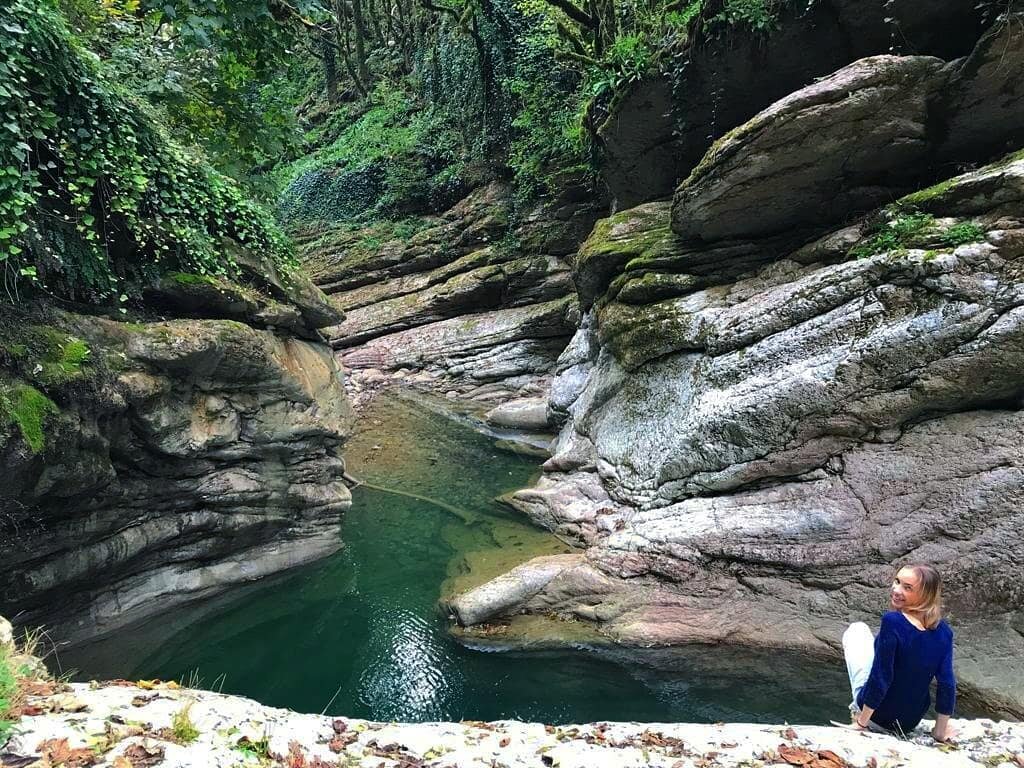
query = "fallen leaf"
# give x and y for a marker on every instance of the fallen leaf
(789, 734)
(12, 760)
(505, 742)
(68, 704)
(340, 726)
(796, 755)
(872, 762)
(37, 687)
(342, 740)
(31, 710)
(143, 756)
(143, 700)
(829, 758)
(296, 757)
(1019, 759)
(60, 753)
(122, 762)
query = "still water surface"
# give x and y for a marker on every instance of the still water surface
(360, 633)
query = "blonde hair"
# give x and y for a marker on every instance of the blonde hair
(930, 607)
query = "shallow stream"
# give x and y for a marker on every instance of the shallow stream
(360, 633)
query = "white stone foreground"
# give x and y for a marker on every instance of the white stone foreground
(123, 725)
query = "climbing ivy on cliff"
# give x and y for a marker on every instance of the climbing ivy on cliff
(95, 197)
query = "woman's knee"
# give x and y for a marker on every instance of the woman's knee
(857, 632)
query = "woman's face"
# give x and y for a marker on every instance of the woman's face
(905, 593)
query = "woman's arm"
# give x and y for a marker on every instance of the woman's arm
(945, 695)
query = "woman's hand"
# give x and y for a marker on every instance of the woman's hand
(943, 732)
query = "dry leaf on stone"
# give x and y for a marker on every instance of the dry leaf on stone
(144, 699)
(1019, 759)
(796, 755)
(143, 756)
(342, 740)
(37, 687)
(504, 742)
(830, 758)
(296, 757)
(340, 726)
(122, 762)
(60, 753)
(789, 734)
(68, 704)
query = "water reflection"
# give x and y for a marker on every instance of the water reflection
(412, 677)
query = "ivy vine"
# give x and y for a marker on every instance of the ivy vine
(95, 197)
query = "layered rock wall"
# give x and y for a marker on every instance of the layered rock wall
(183, 456)
(473, 303)
(772, 403)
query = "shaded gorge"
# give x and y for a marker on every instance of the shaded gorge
(361, 634)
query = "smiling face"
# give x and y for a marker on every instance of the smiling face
(905, 593)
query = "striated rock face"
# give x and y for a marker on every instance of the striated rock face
(187, 456)
(761, 425)
(467, 304)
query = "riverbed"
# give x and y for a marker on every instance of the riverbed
(363, 634)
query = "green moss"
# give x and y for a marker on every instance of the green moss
(924, 196)
(189, 278)
(24, 406)
(8, 689)
(46, 355)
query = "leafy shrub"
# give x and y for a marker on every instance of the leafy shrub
(8, 690)
(963, 233)
(398, 157)
(119, 199)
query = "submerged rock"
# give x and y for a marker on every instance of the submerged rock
(529, 414)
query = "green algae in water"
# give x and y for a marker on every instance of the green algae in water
(363, 626)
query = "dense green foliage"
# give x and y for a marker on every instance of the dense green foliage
(433, 98)
(94, 195)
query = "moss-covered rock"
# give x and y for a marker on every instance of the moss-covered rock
(24, 407)
(640, 233)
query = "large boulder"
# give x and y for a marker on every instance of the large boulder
(846, 143)
(748, 454)
(662, 125)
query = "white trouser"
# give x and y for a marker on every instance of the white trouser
(859, 651)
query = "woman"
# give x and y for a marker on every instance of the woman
(891, 675)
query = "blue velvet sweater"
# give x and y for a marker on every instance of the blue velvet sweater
(906, 660)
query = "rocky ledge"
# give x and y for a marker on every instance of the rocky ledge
(130, 725)
(778, 394)
(468, 303)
